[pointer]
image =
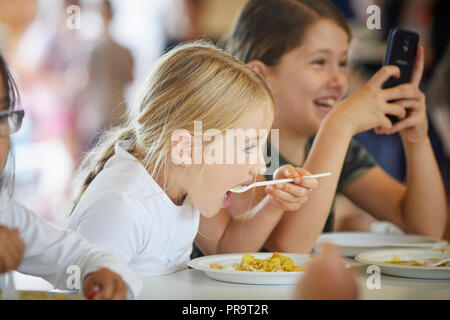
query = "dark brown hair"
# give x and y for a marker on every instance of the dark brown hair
(12, 94)
(265, 30)
(12, 100)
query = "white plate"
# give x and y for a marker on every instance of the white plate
(379, 257)
(249, 277)
(353, 243)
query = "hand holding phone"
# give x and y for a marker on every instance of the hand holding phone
(401, 52)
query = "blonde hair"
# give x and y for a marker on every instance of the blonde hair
(193, 82)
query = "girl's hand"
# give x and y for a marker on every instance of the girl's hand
(414, 128)
(11, 249)
(110, 286)
(326, 272)
(367, 108)
(291, 196)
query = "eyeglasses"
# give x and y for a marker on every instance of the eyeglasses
(10, 121)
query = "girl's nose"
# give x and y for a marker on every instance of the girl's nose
(338, 80)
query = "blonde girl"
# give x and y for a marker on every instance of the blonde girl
(300, 48)
(145, 189)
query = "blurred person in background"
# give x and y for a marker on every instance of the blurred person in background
(15, 18)
(63, 73)
(49, 58)
(110, 73)
(187, 22)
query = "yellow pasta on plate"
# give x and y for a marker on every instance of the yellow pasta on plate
(276, 263)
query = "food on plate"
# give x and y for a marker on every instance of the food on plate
(276, 263)
(414, 263)
(397, 260)
(36, 295)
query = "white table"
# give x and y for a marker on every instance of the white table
(190, 284)
(195, 285)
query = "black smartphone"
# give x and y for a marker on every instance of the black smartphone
(401, 52)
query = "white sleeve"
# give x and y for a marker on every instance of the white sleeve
(116, 222)
(50, 251)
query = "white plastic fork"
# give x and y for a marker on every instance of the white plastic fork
(240, 189)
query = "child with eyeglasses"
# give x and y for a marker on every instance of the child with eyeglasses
(30, 245)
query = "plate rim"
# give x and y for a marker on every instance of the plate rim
(438, 242)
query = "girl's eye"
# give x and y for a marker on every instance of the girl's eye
(249, 148)
(343, 64)
(320, 62)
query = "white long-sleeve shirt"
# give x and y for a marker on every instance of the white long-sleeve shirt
(126, 211)
(50, 251)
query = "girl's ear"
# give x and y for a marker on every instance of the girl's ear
(259, 67)
(181, 148)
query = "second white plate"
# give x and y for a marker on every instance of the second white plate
(380, 257)
(353, 243)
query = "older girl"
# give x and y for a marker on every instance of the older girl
(300, 48)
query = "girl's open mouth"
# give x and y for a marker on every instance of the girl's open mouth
(227, 198)
(325, 104)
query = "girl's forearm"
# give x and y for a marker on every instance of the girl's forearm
(298, 230)
(424, 203)
(249, 233)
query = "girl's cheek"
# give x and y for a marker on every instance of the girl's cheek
(4, 149)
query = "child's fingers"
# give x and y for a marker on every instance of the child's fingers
(106, 290)
(6, 262)
(11, 257)
(406, 103)
(401, 125)
(309, 183)
(418, 66)
(103, 279)
(288, 206)
(15, 258)
(382, 75)
(395, 109)
(295, 190)
(402, 91)
(385, 124)
(18, 245)
(282, 195)
(120, 290)
(88, 285)
(286, 172)
(303, 172)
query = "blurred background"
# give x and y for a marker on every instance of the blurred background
(77, 63)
